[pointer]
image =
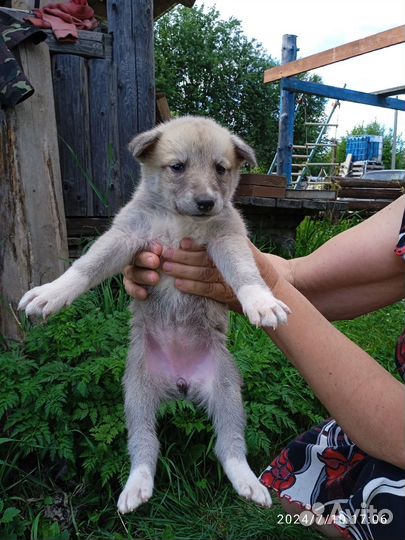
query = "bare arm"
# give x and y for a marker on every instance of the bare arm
(356, 271)
(366, 400)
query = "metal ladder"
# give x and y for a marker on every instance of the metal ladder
(310, 151)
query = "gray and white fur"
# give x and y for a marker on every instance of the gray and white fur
(190, 169)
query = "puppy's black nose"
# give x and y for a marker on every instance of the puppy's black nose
(204, 204)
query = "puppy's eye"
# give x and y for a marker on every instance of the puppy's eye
(220, 170)
(177, 167)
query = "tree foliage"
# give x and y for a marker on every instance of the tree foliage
(207, 66)
(374, 128)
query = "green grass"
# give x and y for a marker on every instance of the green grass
(63, 453)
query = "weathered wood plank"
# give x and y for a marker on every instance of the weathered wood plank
(361, 182)
(131, 24)
(369, 193)
(365, 204)
(86, 226)
(72, 113)
(33, 246)
(162, 108)
(255, 201)
(260, 191)
(104, 140)
(160, 7)
(394, 36)
(90, 45)
(289, 203)
(271, 180)
(311, 194)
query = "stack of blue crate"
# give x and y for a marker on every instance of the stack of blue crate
(365, 148)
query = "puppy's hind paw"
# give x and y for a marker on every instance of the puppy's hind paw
(245, 482)
(137, 490)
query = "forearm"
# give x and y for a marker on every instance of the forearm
(364, 398)
(354, 300)
(356, 271)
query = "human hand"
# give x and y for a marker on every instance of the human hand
(190, 265)
(194, 272)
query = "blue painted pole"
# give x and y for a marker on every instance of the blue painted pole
(287, 113)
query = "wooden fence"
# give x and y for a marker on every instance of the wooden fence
(104, 94)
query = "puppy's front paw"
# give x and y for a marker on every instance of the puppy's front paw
(137, 490)
(43, 300)
(262, 307)
(52, 297)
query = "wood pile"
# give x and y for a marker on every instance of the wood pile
(359, 168)
(360, 194)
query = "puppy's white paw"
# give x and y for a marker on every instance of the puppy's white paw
(137, 490)
(262, 307)
(245, 482)
(52, 297)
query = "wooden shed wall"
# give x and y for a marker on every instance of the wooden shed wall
(104, 95)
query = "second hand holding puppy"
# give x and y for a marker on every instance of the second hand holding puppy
(195, 273)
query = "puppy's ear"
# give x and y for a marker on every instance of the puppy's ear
(142, 145)
(243, 151)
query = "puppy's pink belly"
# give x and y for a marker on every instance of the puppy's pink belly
(180, 357)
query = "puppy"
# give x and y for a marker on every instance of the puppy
(190, 169)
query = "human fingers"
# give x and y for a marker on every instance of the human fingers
(134, 290)
(219, 291)
(207, 274)
(141, 275)
(149, 258)
(193, 255)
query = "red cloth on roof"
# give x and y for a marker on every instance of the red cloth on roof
(65, 19)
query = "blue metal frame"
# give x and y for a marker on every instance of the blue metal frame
(287, 113)
(292, 84)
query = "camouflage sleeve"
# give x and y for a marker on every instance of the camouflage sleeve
(14, 86)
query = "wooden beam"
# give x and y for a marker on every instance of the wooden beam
(33, 249)
(344, 94)
(394, 36)
(89, 45)
(160, 7)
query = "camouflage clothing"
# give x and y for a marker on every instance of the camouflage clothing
(14, 86)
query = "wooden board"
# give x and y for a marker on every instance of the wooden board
(369, 193)
(104, 140)
(311, 194)
(70, 81)
(131, 25)
(271, 180)
(365, 204)
(360, 182)
(259, 191)
(160, 7)
(90, 45)
(33, 247)
(394, 36)
(162, 108)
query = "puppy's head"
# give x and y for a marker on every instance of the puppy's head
(192, 163)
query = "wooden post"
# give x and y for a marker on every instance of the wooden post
(33, 246)
(131, 23)
(287, 113)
